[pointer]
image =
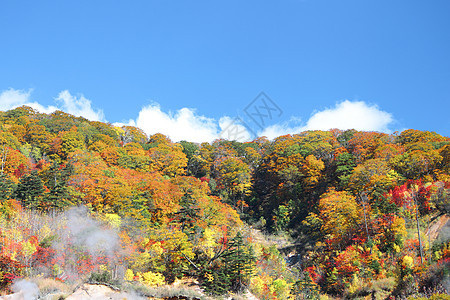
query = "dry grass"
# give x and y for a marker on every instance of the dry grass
(282, 240)
(50, 286)
(166, 291)
(386, 284)
(380, 289)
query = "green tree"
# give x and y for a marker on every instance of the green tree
(6, 187)
(30, 190)
(189, 148)
(187, 216)
(345, 164)
(56, 181)
(240, 262)
(234, 268)
(281, 218)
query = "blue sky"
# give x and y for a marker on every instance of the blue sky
(189, 68)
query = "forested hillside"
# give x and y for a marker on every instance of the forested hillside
(83, 200)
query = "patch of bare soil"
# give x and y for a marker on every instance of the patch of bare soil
(437, 227)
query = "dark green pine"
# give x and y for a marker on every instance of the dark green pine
(239, 261)
(30, 190)
(6, 187)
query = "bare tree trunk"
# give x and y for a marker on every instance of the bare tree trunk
(418, 227)
(429, 238)
(4, 155)
(363, 197)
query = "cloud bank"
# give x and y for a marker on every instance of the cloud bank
(351, 115)
(80, 107)
(187, 124)
(344, 115)
(11, 98)
(234, 129)
(184, 124)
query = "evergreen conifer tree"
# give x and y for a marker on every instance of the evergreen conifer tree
(6, 187)
(239, 261)
(234, 269)
(56, 181)
(187, 215)
(30, 190)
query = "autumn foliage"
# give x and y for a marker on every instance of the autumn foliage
(358, 207)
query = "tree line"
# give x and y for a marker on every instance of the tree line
(356, 204)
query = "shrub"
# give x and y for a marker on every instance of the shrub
(436, 276)
(103, 276)
(433, 297)
(151, 278)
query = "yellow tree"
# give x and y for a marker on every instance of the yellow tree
(285, 162)
(340, 214)
(19, 132)
(319, 143)
(411, 136)
(235, 177)
(38, 136)
(133, 156)
(252, 157)
(363, 145)
(445, 154)
(312, 170)
(89, 180)
(419, 161)
(130, 134)
(201, 161)
(422, 157)
(168, 158)
(370, 180)
(7, 139)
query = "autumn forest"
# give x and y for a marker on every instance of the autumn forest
(318, 214)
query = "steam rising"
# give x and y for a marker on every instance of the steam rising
(29, 289)
(79, 244)
(89, 233)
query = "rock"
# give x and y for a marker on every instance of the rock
(440, 229)
(15, 296)
(98, 292)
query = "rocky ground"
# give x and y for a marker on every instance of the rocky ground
(83, 292)
(102, 292)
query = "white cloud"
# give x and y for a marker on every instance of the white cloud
(345, 115)
(80, 107)
(184, 124)
(11, 98)
(233, 129)
(277, 130)
(351, 115)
